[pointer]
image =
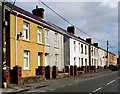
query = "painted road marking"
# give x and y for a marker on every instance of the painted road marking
(97, 89)
(70, 84)
(111, 82)
(37, 91)
(52, 89)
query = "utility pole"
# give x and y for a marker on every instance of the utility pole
(107, 52)
(4, 41)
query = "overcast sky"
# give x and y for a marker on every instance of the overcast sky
(98, 19)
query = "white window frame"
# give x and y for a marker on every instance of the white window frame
(82, 49)
(79, 61)
(75, 61)
(46, 37)
(85, 49)
(79, 47)
(56, 40)
(82, 62)
(25, 28)
(86, 62)
(74, 44)
(28, 57)
(39, 35)
(56, 59)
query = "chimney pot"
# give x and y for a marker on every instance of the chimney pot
(36, 6)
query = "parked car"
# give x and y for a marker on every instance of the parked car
(116, 67)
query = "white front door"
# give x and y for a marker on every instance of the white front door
(38, 60)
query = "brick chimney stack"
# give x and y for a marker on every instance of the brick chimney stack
(38, 12)
(71, 29)
(88, 40)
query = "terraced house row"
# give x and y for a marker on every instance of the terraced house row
(33, 42)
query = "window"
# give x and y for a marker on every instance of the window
(26, 59)
(74, 45)
(26, 30)
(85, 62)
(46, 59)
(92, 62)
(39, 35)
(79, 61)
(85, 49)
(56, 59)
(46, 37)
(82, 61)
(56, 40)
(74, 60)
(81, 48)
(92, 51)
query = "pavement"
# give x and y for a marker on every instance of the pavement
(47, 84)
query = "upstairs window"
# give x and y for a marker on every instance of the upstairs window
(46, 37)
(85, 49)
(81, 48)
(74, 45)
(56, 40)
(39, 35)
(26, 31)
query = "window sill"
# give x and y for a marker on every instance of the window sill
(26, 69)
(40, 43)
(26, 40)
(56, 47)
(47, 45)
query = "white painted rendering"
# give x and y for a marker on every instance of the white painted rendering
(75, 54)
(101, 57)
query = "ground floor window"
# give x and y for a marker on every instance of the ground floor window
(56, 59)
(26, 59)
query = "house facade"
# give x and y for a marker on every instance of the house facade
(75, 50)
(25, 39)
(54, 50)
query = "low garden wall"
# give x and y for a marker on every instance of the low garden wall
(31, 79)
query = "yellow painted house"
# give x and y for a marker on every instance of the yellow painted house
(26, 41)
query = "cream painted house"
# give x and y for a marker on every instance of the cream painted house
(54, 48)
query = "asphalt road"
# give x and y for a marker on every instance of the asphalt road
(107, 83)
